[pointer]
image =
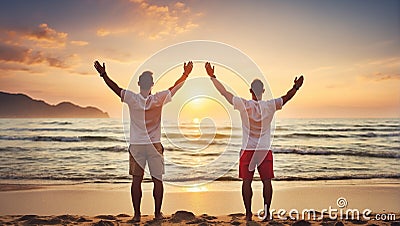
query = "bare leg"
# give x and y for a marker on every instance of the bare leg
(247, 194)
(267, 194)
(158, 192)
(136, 195)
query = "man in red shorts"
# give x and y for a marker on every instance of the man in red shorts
(256, 115)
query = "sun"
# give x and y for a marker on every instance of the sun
(196, 120)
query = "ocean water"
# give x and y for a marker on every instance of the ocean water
(95, 151)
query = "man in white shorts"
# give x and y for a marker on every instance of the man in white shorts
(145, 133)
(256, 115)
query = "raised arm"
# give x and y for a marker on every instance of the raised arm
(110, 83)
(218, 85)
(297, 84)
(187, 68)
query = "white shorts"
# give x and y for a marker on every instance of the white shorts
(139, 154)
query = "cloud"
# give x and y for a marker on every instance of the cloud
(79, 43)
(166, 20)
(155, 21)
(42, 36)
(389, 62)
(23, 55)
(36, 46)
(379, 76)
(13, 53)
(85, 73)
(386, 62)
(9, 66)
(47, 37)
(380, 69)
(103, 32)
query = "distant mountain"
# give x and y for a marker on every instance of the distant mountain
(23, 106)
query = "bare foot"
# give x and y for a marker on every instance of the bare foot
(136, 218)
(249, 216)
(158, 216)
(266, 219)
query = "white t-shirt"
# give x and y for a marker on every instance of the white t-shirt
(256, 121)
(145, 115)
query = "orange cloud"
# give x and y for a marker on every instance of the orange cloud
(156, 21)
(47, 37)
(103, 32)
(388, 69)
(40, 37)
(390, 62)
(19, 54)
(79, 43)
(9, 66)
(35, 46)
(166, 20)
(379, 76)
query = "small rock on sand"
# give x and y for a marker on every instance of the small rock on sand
(106, 217)
(67, 218)
(39, 221)
(203, 224)
(301, 223)
(182, 216)
(253, 223)
(326, 223)
(27, 217)
(275, 223)
(82, 219)
(207, 217)
(104, 223)
(339, 223)
(358, 221)
(236, 215)
(197, 221)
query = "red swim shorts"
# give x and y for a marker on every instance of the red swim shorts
(265, 169)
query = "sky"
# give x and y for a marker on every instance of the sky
(348, 50)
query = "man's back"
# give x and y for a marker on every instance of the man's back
(145, 115)
(256, 121)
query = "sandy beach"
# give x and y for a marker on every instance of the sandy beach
(218, 203)
(178, 218)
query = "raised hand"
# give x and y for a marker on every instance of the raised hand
(187, 68)
(209, 69)
(298, 82)
(110, 83)
(218, 85)
(99, 68)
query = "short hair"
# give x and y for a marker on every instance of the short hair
(146, 80)
(257, 86)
